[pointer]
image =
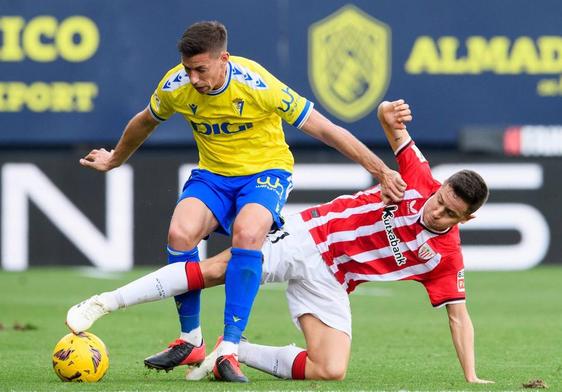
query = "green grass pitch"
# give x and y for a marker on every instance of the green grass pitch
(399, 342)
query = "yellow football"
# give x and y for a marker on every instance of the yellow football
(80, 357)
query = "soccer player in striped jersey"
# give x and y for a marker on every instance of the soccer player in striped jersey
(235, 108)
(325, 251)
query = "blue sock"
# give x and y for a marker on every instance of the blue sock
(188, 304)
(243, 275)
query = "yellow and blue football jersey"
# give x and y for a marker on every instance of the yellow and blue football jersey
(238, 127)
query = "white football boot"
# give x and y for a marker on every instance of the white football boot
(81, 317)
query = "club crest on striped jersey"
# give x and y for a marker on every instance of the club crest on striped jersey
(425, 252)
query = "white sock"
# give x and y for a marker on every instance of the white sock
(227, 348)
(166, 282)
(277, 361)
(195, 336)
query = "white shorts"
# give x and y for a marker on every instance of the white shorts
(290, 255)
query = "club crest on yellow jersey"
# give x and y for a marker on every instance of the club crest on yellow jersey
(349, 62)
(238, 104)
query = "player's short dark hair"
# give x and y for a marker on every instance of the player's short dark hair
(470, 187)
(203, 37)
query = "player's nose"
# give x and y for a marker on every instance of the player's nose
(193, 77)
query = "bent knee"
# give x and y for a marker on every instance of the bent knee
(182, 237)
(246, 237)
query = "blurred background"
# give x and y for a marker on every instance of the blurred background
(484, 79)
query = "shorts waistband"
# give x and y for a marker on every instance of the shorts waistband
(296, 226)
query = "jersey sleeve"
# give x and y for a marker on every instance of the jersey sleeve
(447, 287)
(160, 106)
(413, 167)
(284, 101)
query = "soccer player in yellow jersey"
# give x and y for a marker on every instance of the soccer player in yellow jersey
(235, 108)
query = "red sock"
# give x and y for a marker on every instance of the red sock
(297, 371)
(194, 276)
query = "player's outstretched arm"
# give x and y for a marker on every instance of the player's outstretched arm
(462, 333)
(135, 133)
(393, 117)
(342, 140)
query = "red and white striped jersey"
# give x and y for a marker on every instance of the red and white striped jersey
(362, 240)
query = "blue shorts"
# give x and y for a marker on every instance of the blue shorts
(225, 196)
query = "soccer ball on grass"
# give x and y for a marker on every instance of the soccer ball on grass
(80, 357)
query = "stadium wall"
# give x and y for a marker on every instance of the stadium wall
(76, 71)
(54, 212)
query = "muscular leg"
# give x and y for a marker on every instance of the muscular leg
(171, 280)
(191, 221)
(325, 358)
(244, 270)
(328, 350)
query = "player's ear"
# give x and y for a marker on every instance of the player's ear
(224, 56)
(467, 218)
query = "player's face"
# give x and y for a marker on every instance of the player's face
(445, 209)
(206, 71)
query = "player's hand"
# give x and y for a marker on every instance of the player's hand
(100, 160)
(392, 187)
(396, 113)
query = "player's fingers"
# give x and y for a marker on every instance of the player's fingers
(403, 106)
(404, 112)
(393, 194)
(87, 163)
(91, 155)
(397, 181)
(400, 187)
(398, 102)
(398, 196)
(406, 118)
(386, 199)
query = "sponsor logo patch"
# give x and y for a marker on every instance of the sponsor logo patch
(393, 240)
(460, 281)
(193, 108)
(411, 207)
